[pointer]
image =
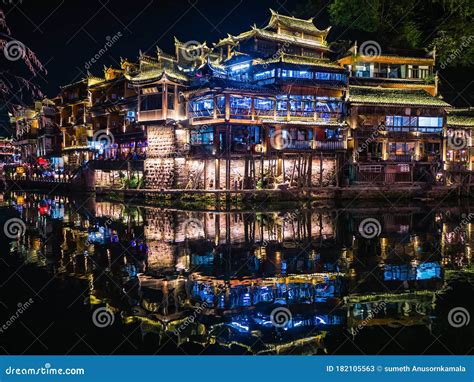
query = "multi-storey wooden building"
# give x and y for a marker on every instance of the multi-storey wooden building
(75, 122)
(118, 142)
(267, 109)
(397, 121)
(264, 109)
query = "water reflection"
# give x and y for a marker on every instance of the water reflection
(214, 278)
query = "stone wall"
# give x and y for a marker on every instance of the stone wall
(160, 166)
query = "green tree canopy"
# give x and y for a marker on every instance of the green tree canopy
(444, 24)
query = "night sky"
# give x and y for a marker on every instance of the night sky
(66, 34)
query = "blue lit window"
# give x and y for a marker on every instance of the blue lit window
(296, 74)
(264, 106)
(240, 106)
(202, 136)
(220, 105)
(430, 121)
(264, 75)
(201, 108)
(282, 103)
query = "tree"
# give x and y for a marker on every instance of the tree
(444, 24)
(13, 85)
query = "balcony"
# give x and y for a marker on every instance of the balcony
(330, 145)
(404, 158)
(300, 145)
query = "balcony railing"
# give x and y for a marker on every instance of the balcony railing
(400, 158)
(300, 145)
(330, 145)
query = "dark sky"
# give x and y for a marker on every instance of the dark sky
(66, 34)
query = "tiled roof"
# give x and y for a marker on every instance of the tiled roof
(461, 118)
(390, 96)
(294, 23)
(273, 36)
(299, 60)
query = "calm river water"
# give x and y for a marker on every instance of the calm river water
(86, 276)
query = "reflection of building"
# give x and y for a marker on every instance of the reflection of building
(218, 283)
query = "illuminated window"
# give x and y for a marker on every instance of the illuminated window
(264, 75)
(201, 108)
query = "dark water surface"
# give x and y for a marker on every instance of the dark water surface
(86, 276)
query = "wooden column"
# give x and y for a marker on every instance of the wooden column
(217, 174)
(321, 170)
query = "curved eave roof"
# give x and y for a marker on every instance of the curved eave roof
(367, 95)
(153, 75)
(300, 61)
(460, 121)
(291, 22)
(272, 36)
(393, 59)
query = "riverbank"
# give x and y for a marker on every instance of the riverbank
(221, 199)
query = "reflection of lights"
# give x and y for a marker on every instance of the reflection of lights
(241, 328)
(320, 320)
